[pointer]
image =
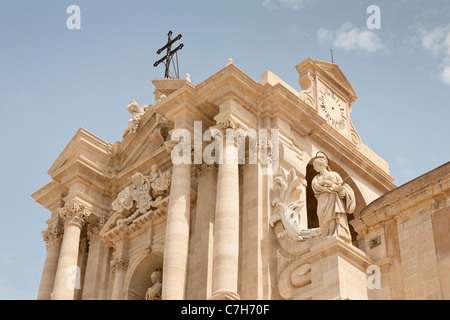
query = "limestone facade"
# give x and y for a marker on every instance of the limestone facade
(123, 212)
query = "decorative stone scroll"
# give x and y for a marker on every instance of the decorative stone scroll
(142, 194)
(307, 82)
(137, 112)
(288, 205)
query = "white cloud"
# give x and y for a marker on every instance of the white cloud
(290, 4)
(351, 38)
(445, 74)
(437, 42)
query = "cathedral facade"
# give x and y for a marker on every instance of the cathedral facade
(237, 189)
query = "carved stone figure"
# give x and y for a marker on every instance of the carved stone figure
(334, 200)
(141, 192)
(137, 112)
(154, 292)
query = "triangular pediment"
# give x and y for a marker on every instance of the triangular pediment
(80, 147)
(329, 71)
(153, 131)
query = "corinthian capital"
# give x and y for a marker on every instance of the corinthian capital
(73, 213)
(119, 263)
(53, 236)
(229, 131)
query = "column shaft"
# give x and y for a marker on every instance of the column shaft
(177, 234)
(66, 275)
(119, 278)
(226, 228)
(49, 272)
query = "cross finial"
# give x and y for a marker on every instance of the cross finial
(167, 59)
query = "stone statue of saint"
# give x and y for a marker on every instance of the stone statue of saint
(137, 112)
(334, 200)
(154, 292)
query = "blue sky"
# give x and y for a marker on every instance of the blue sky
(54, 80)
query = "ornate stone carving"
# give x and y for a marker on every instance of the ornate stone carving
(119, 263)
(93, 230)
(160, 182)
(53, 235)
(142, 194)
(334, 200)
(155, 291)
(74, 213)
(288, 205)
(137, 112)
(201, 170)
(307, 82)
(354, 136)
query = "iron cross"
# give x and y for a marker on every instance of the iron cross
(167, 59)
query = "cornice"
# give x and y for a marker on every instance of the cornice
(429, 191)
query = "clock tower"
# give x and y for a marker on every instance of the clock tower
(327, 90)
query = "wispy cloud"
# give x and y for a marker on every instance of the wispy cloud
(351, 38)
(437, 42)
(289, 4)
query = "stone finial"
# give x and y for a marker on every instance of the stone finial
(230, 61)
(188, 77)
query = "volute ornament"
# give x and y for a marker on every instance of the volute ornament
(288, 205)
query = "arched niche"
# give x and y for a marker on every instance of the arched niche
(139, 277)
(311, 201)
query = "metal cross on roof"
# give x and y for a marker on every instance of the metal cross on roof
(167, 59)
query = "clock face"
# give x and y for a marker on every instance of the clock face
(333, 108)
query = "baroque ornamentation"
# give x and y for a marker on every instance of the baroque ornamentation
(119, 263)
(74, 213)
(354, 136)
(201, 170)
(307, 82)
(93, 230)
(142, 194)
(137, 112)
(288, 205)
(53, 235)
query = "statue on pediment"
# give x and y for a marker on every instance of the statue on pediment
(137, 112)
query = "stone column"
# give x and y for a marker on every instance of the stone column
(97, 263)
(226, 228)
(52, 236)
(176, 243)
(119, 267)
(72, 214)
(204, 230)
